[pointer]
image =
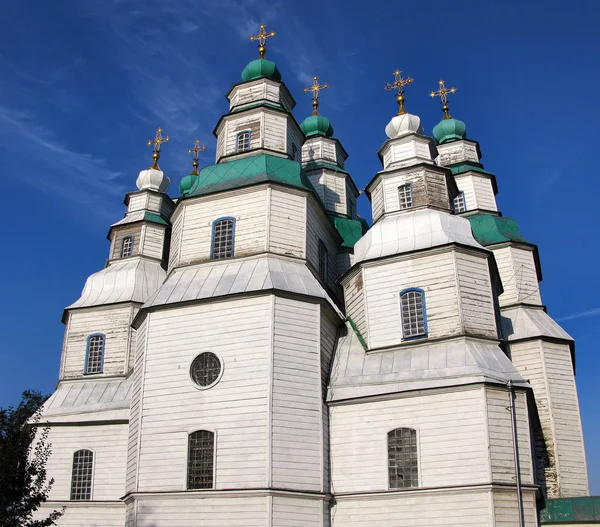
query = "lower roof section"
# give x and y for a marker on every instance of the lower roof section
(132, 279)
(220, 278)
(525, 322)
(358, 373)
(92, 399)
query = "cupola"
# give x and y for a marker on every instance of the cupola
(448, 129)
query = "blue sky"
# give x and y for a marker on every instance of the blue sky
(85, 84)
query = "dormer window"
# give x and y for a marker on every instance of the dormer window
(243, 141)
(460, 205)
(405, 196)
(127, 246)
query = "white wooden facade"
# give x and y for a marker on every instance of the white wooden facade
(316, 362)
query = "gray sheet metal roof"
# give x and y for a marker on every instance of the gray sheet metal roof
(226, 277)
(102, 398)
(522, 322)
(356, 373)
(130, 280)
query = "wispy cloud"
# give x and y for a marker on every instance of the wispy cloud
(594, 312)
(51, 166)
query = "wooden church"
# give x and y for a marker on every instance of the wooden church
(253, 354)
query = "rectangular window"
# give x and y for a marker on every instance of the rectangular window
(323, 261)
(403, 464)
(222, 239)
(412, 304)
(460, 204)
(127, 248)
(405, 196)
(95, 353)
(201, 454)
(81, 478)
(243, 141)
(351, 208)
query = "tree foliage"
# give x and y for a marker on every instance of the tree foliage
(24, 450)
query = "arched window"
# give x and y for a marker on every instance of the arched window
(127, 246)
(323, 260)
(201, 460)
(81, 478)
(412, 310)
(222, 238)
(460, 205)
(242, 143)
(405, 196)
(94, 359)
(403, 465)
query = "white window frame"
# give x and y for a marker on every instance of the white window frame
(405, 199)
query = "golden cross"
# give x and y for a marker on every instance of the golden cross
(442, 93)
(197, 149)
(398, 84)
(262, 38)
(157, 141)
(315, 89)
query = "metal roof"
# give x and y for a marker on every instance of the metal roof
(130, 280)
(463, 360)
(226, 277)
(521, 322)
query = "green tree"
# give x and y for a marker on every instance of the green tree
(23, 485)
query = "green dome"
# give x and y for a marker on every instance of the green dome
(449, 130)
(260, 68)
(317, 125)
(187, 183)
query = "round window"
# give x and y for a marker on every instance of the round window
(205, 369)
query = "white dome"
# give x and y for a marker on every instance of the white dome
(404, 124)
(153, 179)
(128, 280)
(406, 232)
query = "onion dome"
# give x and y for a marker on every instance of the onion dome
(187, 183)
(317, 125)
(259, 69)
(152, 179)
(403, 124)
(449, 130)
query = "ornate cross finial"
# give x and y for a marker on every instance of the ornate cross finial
(262, 38)
(197, 149)
(157, 141)
(442, 93)
(398, 84)
(315, 89)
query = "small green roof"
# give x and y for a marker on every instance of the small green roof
(489, 229)
(350, 230)
(243, 172)
(468, 166)
(449, 130)
(585, 509)
(155, 218)
(261, 68)
(317, 125)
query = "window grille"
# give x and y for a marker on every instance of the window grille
(127, 247)
(403, 465)
(460, 204)
(243, 141)
(412, 304)
(323, 260)
(95, 354)
(81, 479)
(222, 239)
(205, 369)
(201, 454)
(405, 196)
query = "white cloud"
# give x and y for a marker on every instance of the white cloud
(594, 312)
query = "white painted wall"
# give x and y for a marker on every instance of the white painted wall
(457, 287)
(287, 222)
(478, 189)
(548, 367)
(319, 227)
(114, 323)
(516, 267)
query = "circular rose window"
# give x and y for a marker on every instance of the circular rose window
(206, 369)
